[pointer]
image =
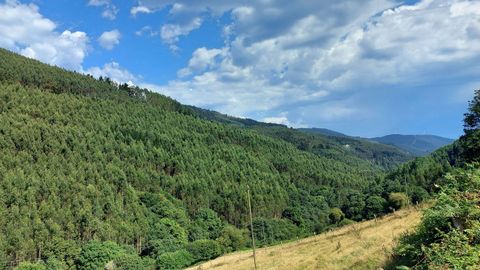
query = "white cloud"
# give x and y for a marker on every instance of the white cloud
(113, 71)
(98, 2)
(25, 30)
(282, 120)
(170, 33)
(280, 56)
(202, 59)
(110, 39)
(139, 9)
(109, 10)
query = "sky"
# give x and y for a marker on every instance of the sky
(365, 68)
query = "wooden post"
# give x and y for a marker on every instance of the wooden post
(251, 228)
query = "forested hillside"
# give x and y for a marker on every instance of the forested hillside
(318, 141)
(94, 173)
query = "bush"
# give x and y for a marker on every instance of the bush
(31, 266)
(207, 225)
(336, 215)
(157, 247)
(175, 260)
(419, 194)
(448, 237)
(132, 262)
(268, 231)
(95, 255)
(398, 200)
(55, 264)
(205, 249)
(374, 206)
(346, 222)
(232, 238)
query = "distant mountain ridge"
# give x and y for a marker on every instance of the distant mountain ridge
(323, 131)
(419, 145)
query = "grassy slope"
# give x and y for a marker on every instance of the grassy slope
(365, 245)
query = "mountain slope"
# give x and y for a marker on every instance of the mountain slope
(321, 142)
(89, 167)
(419, 145)
(323, 131)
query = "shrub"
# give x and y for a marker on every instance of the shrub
(131, 262)
(448, 237)
(207, 225)
(346, 222)
(95, 255)
(175, 260)
(31, 266)
(232, 238)
(374, 206)
(205, 249)
(398, 200)
(336, 215)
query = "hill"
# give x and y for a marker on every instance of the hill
(321, 142)
(365, 245)
(92, 172)
(418, 145)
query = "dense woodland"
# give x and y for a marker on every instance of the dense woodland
(96, 174)
(340, 147)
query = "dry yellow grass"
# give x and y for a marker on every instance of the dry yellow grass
(365, 245)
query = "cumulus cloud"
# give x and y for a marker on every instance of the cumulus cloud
(202, 59)
(170, 33)
(110, 39)
(109, 10)
(113, 71)
(23, 29)
(305, 56)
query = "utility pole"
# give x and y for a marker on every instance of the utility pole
(251, 227)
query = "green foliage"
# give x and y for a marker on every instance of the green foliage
(175, 260)
(398, 200)
(232, 238)
(355, 205)
(470, 141)
(89, 167)
(336, 215)
(31, 266)
(204, 249)
(374, 206)
(95, 255)
(448, 237)
(133, 262)
(206, 225)
(166, 228)
(269, 231)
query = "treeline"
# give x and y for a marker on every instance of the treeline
(93, 173)
(448, 237)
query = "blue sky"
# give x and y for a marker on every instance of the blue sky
(365, 68)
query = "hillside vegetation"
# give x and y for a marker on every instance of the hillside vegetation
(449, 234)
(93, 173)
(365, 245)
(327, 144)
